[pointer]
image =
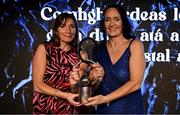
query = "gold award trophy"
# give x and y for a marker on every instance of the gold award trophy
(86, 48)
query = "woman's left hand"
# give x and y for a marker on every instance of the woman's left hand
(96, 100)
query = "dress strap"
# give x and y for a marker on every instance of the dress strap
(131, 42)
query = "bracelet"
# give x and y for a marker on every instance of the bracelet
(108, 102)
(55, 92)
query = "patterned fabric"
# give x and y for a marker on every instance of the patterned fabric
(59, 65)
(117, 75)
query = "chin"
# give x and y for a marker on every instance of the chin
(113, 35)
(69, 41)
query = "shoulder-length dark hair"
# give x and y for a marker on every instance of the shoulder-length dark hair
(126, 26)
(60, 20)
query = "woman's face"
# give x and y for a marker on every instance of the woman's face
(113, 22)
(67, 31)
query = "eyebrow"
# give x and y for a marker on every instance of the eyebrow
(113, 17)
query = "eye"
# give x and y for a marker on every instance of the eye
(72, 26)
(62, 26)
(107, 20)
(116, 19)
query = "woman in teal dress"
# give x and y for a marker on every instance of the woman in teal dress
(122, 57)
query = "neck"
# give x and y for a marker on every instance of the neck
(65, 46)
(117, 42)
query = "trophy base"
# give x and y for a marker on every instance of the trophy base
(85, 93)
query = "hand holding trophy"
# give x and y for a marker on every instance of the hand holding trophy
(90, 72)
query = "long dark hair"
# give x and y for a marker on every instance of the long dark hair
(126, 26)
(60, 19)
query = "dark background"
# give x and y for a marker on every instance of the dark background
(22, 29)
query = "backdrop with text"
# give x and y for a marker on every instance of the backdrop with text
(25, 24)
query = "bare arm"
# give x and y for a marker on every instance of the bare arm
(39, 67)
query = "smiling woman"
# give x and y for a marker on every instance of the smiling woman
(52, 64)
(124, 63)
(66, 31)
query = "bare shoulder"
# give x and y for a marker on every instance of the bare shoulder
(40, 49)
(137, 44)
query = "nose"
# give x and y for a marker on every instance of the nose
(111, 23)
(68, 29)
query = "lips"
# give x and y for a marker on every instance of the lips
(68, 35)
(112, 29)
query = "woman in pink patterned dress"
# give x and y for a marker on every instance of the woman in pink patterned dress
(52, 64)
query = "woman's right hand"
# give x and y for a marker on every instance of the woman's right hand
(74, 76)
